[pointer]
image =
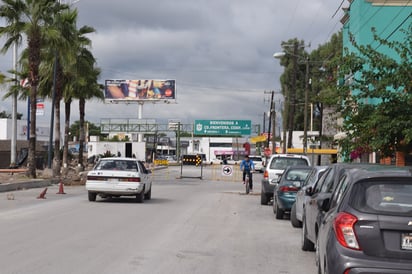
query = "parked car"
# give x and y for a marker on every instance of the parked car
(274, 168)
(296, 212)
(258, 161)
(321, 190)
(286, 188)
(115, 177)
(368, 224)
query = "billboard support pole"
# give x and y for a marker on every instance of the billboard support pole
(139, 116)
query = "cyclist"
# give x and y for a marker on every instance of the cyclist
(247, 166)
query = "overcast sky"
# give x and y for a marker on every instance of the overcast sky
(218, 51)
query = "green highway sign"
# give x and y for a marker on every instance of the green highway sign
(222, 127)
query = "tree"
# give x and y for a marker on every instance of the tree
(32, 18)
(323, 64)
(377, 105)
(3, 114)
(53, 68)
(293, 85)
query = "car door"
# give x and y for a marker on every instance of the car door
(144, 176)
(320, 192)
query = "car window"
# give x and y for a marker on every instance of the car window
(283, 163)
(256, 159)
(340, 190)
(297, 174)
(142, 168)
(106, 165)
(385, 197)
(328, 182)
(322, 180)
(313, 177)
(310, 179)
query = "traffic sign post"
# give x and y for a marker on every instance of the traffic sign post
(227, 170)
(192, 160)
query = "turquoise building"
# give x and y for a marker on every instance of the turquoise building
(388, 18)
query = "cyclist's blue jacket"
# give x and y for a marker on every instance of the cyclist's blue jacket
(247, 165)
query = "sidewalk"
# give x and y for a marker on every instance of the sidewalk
(13, 182)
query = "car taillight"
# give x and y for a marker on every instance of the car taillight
(344, 230)
(96, 178)
(288, 188)
(135, 179)
(266, 175)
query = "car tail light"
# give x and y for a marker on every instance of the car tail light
(344, 230)
(288, 188)
(266, 175)
(96, 178)
(134, 179)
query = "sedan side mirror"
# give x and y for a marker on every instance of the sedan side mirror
(309, 191)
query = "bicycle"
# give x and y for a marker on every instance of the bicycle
(247, 185)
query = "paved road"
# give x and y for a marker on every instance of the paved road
(189, 226)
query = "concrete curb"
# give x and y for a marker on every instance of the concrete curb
(35, 183)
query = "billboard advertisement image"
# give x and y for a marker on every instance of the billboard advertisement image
(138, 90)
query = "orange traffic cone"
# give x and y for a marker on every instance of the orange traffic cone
(42, 194)
(61, 190)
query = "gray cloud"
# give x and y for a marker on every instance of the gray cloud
(219, 51)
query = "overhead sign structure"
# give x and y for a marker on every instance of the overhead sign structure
(139, 90)
(222, 127)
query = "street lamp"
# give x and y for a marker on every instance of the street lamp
(279, 55)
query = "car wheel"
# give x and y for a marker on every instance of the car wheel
(263, 198)
(148, 195)
(278, 212)
(140, 197)
(306, 244)
(317, 258)
(92, 196)
(295, 222)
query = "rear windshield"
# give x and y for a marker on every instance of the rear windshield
(283, 163)
(256, 159)
(297, 174)
(387, 197)
(117, 165)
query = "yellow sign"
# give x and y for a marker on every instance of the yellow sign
(161, 162)
(313, 151)
(257, 139)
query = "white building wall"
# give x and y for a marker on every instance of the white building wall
(97, 148)
(203, 145)
(6, 127)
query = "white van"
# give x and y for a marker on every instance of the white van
(258, 161)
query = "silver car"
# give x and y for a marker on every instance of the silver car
(274, 169)
(296, 213)
(115, 177)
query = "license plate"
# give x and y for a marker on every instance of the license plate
(406, 241)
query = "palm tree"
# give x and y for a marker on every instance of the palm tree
(34, 19)
(82, 79)
(55, 63)
(90, 89)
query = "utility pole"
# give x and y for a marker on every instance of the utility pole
(305, 115)
(270, 119)
(273, 115)
(292, 105)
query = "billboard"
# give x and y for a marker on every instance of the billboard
(139, 90)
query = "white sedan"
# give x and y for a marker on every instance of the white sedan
(115, 177)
